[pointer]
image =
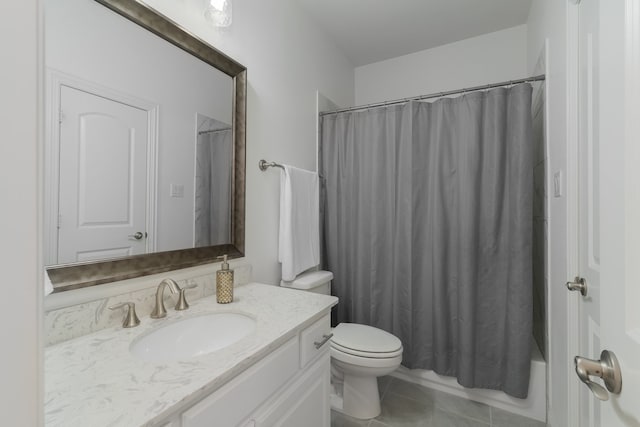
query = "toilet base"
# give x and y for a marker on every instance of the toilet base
(359, 397)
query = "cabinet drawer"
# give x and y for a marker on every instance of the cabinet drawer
(313, 335)
(230, 404)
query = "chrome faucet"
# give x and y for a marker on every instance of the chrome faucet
(159, 311)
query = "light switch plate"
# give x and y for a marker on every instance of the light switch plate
(557, 184)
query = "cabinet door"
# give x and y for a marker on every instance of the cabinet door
(230, 404)
(305, 403)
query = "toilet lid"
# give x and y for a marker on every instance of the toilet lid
(366, 339)
(366, 354)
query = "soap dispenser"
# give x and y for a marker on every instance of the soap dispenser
(224, 282)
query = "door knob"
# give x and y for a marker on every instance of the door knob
(578, 284)
(137, 235)
(606, 368)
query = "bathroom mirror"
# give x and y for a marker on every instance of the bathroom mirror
(144, 145)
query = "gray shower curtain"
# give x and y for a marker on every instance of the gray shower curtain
(214, 161)
(427, 227)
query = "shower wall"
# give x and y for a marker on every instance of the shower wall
(540, 209)
(540, 220)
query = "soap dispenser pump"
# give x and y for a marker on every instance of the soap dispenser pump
(224, 282)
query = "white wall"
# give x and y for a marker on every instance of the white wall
(548, 24)
(20, 361)
(86, 40)
(287, 60)
(489, 58)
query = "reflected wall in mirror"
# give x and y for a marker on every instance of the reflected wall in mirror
(144, 157)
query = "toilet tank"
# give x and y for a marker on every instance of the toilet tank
(313, 281)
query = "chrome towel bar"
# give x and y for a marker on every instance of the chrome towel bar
(264, 165)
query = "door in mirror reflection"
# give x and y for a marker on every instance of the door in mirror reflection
(103, 171)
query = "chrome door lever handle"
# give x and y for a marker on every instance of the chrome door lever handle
(606, 368)
(578, 284)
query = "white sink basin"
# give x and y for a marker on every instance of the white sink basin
(192, 337)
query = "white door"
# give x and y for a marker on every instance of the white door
(620, 160)
(589, 248)
(609, 191)
(103, 178)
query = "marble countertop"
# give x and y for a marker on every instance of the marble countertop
(94, 380)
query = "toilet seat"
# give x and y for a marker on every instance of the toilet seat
(364, 340)
(359, 362)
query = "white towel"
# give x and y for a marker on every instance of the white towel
(299, 239)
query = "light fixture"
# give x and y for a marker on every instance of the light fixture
(218, 12)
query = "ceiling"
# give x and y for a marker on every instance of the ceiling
(374, 30)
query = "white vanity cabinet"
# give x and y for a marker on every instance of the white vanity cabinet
(289, 387)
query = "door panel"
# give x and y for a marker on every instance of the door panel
(106, 149)
(103, 177)
(103, 254)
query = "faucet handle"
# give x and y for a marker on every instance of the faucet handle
(131, 319)
(182, 301)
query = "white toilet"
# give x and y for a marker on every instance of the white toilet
(359, 354)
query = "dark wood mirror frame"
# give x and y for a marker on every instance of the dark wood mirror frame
(68, 277)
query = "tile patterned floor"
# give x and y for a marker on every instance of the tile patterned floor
(408, 404)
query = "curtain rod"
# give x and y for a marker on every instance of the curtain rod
(437, 95)
(202, 132)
